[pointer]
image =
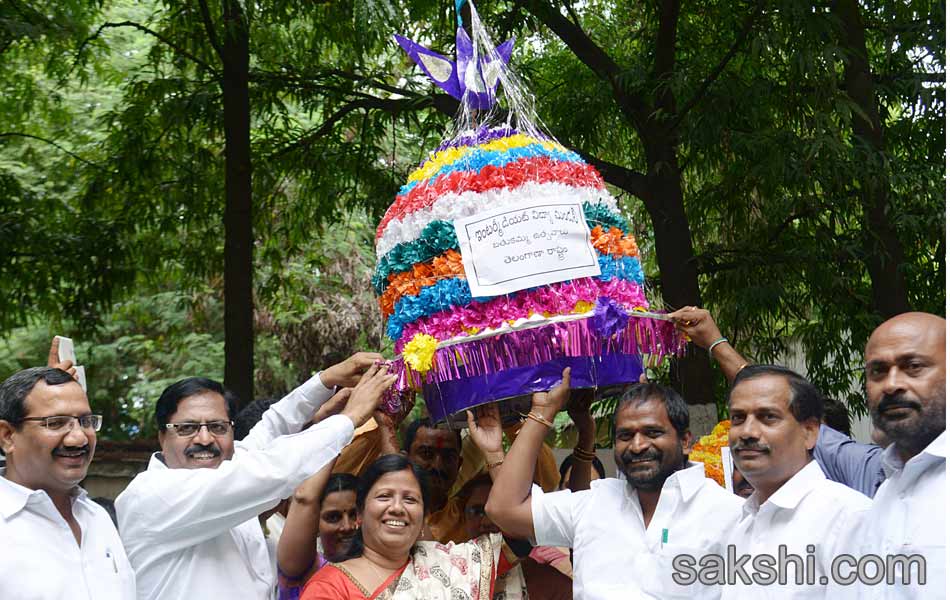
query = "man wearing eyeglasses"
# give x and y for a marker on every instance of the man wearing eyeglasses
(189, 522)
(56, 542)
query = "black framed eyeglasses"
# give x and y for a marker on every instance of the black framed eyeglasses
(190, 428)
(60, 423)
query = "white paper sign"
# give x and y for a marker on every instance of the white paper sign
(523, 246)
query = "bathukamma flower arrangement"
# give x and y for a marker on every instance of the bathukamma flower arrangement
(504, 258)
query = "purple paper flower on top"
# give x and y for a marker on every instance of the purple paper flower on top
(609, 317)
(471, 79)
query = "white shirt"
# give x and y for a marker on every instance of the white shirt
(908, 516)
(194, 533)
(39, 556)
(809, 509)
(615, 555)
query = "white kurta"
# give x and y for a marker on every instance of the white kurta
(810, 510)
(615, 555)
(194, 533)
(907, 517)
(39, 556)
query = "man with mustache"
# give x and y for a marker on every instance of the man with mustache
(189, 522)
(438, 451)
(57, 542)
(905, 370)
(844, 460)
(775, 415)
(625, 532)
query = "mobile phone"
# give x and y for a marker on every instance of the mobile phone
(66, 349)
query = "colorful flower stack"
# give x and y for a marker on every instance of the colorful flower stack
(708, 450)
(460, 350)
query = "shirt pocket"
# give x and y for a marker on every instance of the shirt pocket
(656, 572)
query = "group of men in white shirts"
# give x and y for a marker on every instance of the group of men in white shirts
(188, 527)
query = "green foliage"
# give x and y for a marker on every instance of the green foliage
(114, 233)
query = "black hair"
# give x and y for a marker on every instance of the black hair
(392, 463)
(675, 405)
(409, 435)
(340, 482)
(15, 389)
(168, 402)
(806, 401)
(569, 460)
(837, 416)
(389, 463)
(250, 416)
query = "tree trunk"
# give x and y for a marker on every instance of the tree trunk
(883, 251)
(692, 375)
(238, 229)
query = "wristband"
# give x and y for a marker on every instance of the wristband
(721, 340)
(536, 417)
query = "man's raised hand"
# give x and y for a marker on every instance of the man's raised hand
(349, 372)
(547, 404)
(52, 360)
(486, 429)
(698, 324)
(368, 393)
(333, 406)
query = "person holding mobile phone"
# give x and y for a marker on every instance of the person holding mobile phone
(57, 542)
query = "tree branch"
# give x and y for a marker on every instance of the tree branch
(589, 53)
(716, 72)
(622, 177)
(143, 29)
(51, 143)
(441, 102)
(209, 28)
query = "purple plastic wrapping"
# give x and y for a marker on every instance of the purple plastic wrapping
(521, 362)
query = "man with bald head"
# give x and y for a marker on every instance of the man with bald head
(905, 369)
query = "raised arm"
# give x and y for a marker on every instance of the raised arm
(183, 507)
(297, 409)
(297, 548)
(509, 504)
(582, 458)
(702, 330)
(486, 432)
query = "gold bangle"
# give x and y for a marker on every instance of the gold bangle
(742, 366)
(583, 454)
(536, 417)
(492, 465)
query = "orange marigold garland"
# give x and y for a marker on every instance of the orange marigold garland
(707, 451)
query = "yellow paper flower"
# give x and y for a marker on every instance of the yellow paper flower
(582, 307)
(419, 351)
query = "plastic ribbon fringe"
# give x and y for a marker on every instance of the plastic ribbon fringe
(535, 346)
(447, 293)
(557, 299)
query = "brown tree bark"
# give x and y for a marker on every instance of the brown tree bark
(238, 213)
(883, 251)
(661, 187)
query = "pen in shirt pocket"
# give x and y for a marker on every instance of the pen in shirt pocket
(109, 554)
(665, 537)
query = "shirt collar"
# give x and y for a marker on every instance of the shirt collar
(14, 497)
(792, 491)
(892, 463)
(688, 481)
(157, 461)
